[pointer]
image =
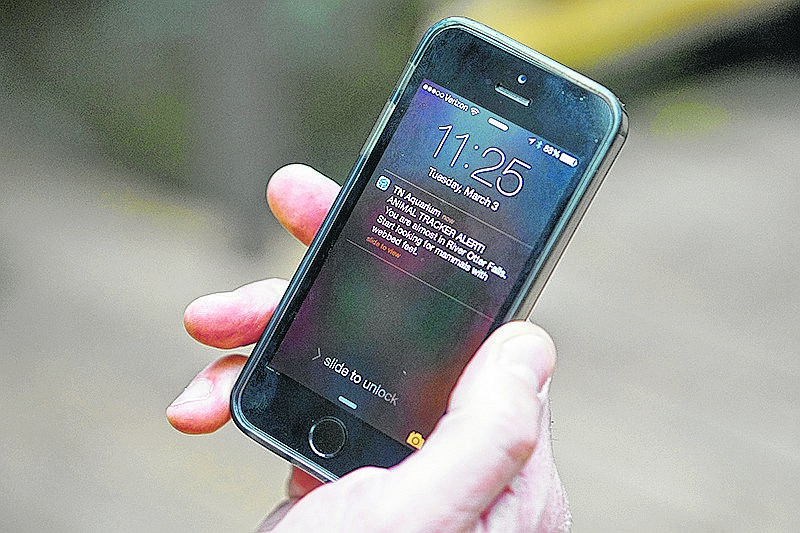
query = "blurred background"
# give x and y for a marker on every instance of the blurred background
(136, 139)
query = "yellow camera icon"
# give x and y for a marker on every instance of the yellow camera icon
(415, 439)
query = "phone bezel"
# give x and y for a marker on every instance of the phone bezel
(493, 58)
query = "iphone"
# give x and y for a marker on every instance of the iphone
(464, 196)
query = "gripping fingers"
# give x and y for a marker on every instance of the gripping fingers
(300, 197)
(232, 319)
(203, 407)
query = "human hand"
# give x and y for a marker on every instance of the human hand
(488, 465)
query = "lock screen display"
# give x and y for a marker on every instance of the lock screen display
(439, 241)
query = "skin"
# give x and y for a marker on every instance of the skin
(488, 465)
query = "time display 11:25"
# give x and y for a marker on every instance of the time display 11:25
(508, 183)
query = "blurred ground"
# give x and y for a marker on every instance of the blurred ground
(675, 402)
(95, 269)
(675, 311)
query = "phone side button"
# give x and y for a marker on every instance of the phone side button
(327, 437)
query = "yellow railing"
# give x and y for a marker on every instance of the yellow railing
(582, 33)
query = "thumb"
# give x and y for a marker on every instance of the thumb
(489, 432)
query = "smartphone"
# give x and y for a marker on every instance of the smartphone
(463, 198)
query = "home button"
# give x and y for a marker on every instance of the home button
(327, 437)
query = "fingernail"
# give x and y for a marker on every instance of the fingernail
(544, 392)
(529, 357)
(199, 389)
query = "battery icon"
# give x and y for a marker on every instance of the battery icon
(568, 159)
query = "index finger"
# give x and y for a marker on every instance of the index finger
(300, 197)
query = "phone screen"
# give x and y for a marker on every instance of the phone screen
(437, 246)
